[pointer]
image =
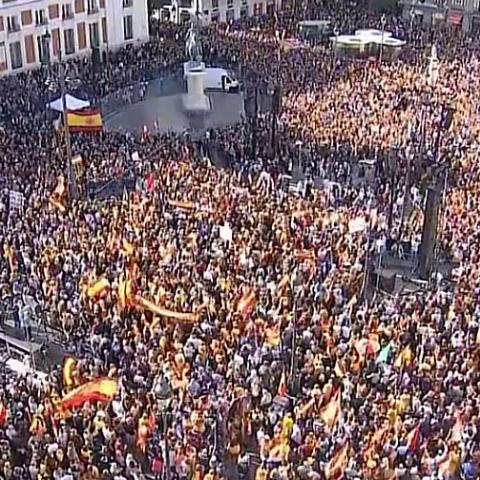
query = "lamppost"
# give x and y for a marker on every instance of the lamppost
(436, 190)
(383, 20)
(164, 395)
(334, 54)
(421, 130)
(72, 181)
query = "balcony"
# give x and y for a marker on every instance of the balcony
(41, 22)
(93, 10)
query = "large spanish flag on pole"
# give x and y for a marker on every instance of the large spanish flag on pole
(85, 120)
(100, 390)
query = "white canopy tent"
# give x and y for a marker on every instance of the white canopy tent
(72, 103)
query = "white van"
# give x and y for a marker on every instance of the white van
(215, 78)
(220, 79)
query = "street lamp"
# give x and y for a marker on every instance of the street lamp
(72, 181)
(383, 20)
(334, 55)
(164, 395)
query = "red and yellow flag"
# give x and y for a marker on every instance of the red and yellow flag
(59, 195)
(98, 288)
(86, 120)
(338, 463)
(100, 390)
(183, 205)
(69, 366)
(330, 413)
(126, 294)
(247, 303)
(150, 306)
(282, 386)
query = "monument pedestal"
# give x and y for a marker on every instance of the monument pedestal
(195, 100)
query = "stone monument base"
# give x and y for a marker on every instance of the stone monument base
(195, 100)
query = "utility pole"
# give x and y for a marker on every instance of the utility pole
(71, 178)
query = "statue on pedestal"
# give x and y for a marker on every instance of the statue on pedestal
(193, 47)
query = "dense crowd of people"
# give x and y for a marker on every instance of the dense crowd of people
(233, 316)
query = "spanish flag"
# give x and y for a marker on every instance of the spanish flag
(182, 205)
(86, 120)
(338, 463)
(98, 288)
(247, 303)
(59, 195)
(331, 411)
(126, 294)
(100, 390)
(413, 439)
(185, 317)
(69, 366)
(282, 386)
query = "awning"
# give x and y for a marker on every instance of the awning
(72, 103)
(454, 17)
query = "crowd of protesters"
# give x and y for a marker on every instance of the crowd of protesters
(245, 346)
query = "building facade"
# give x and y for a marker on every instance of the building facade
(218, 10)
(462, 13)
(35, 31)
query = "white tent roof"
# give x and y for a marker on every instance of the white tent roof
(73, 103)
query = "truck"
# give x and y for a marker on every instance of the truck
(215, 78)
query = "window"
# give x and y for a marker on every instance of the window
(128, 27)
(43, 52)
(69, 40)
(3, 54)
(215, 4)
(67, 11)
(244, 12)
(13, 25)
(94, 35)
(230, 14)
(92, 6)
(16, 55)
(230, 3)
(185, 3)
(215, 17)
(127, 3)
(40, 17)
